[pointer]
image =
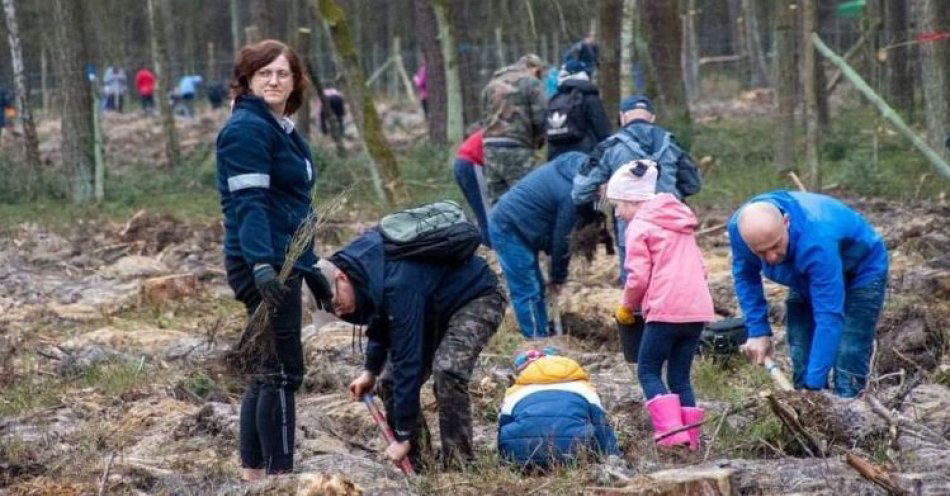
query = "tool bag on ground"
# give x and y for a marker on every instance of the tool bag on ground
(435, 232)
(723, 337)
(564, 121)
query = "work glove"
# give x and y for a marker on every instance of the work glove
(320, 287)
(270, 288)
(625, 316)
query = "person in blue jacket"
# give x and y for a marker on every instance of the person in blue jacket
(552, 414)
(536, 215)
(265, 176)
(423, 318)
(835, 267)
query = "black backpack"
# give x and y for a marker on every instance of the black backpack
(435, 232)
(564, 121)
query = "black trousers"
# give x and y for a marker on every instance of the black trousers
(268, 416)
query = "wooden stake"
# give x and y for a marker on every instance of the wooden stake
(875, 474)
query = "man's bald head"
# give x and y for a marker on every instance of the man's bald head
(764, 229)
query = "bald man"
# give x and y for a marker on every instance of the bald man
(835, 267)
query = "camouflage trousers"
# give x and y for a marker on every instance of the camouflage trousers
(504, 166)
(451, 365)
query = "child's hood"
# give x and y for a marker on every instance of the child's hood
(550, 370)
(666, 211)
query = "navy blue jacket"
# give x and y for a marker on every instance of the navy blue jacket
(407, 305)
(540, 211)
(265, 175)
(639, 139)
(831, 249)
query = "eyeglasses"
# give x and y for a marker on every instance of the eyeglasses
(267, 74)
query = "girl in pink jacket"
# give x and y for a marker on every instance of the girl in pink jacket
(666, 280)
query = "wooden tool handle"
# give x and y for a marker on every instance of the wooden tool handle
(778, 377)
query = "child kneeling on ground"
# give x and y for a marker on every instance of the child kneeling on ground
(552, 414)
(666, 279)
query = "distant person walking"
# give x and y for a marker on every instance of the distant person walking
(337, 107)
(145, 86)
(585, 51)
(186, 92)
(421, 81)
(115, 86)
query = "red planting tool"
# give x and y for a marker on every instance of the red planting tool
(388, 435)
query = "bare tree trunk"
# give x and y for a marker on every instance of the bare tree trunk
(784, 77)
(900, 78)
(235, 25)
(31, 142)
(610, 24)
(454, 127)
(661, 19)
(428, 41)
(462, 18)
(262, 16)
(627, 48)
(809, 81)
(690, 52)
(75, 97)
(757, 67)
(162, 65)
(935, 64)
(303, 42)
(361, 101)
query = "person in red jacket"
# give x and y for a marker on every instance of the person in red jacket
(145, 86)
(471, 180)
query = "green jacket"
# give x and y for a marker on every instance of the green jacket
(513, 108)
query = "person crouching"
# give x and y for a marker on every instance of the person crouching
(552, 415)
(666, 279)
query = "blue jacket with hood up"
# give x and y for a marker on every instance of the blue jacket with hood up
(265, 175)
(539, 210)
(407, 305)
(831, 249)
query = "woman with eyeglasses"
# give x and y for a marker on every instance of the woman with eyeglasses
(265, 176)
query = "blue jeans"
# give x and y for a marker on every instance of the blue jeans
(519, 262)
(621, 229)
(466, 175)
(862, 307)
(674, 344)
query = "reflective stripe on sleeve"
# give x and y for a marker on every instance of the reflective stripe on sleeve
(244, 181)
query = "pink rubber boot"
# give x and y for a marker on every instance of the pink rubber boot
(666, 415)
(692, 415)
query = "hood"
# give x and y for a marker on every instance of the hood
(582, 85)
(666, 211)
(550, 370)
(568, 163)
(364, 262)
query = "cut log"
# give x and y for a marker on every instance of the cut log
(687, 481)
(160, 290)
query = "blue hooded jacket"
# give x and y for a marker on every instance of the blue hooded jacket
(552, 414)
(265, 176)
(407, 305)
(637, 140)
(540, 211)
(831, 249)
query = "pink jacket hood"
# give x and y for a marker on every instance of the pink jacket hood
(666, 275)
(666, 211)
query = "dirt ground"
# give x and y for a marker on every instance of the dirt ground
(109, 384)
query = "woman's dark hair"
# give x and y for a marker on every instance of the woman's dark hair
(252, 57)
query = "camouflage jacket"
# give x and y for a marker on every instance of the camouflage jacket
(513, 106)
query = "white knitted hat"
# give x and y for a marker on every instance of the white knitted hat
(626, 185)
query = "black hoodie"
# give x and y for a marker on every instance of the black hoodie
(596, 124)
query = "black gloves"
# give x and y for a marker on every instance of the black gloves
(271, 289)
(320, 287)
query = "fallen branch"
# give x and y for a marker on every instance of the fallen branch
(105, 475)
(789, 417)
(875, 474)
(711, 229)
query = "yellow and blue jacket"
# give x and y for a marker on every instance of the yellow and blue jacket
(552, 414)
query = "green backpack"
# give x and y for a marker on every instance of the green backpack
(435, 232)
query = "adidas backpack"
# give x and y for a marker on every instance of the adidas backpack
(564, 121)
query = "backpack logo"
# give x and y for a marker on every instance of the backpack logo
(556, 123)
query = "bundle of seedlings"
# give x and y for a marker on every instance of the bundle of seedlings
(255, 348)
